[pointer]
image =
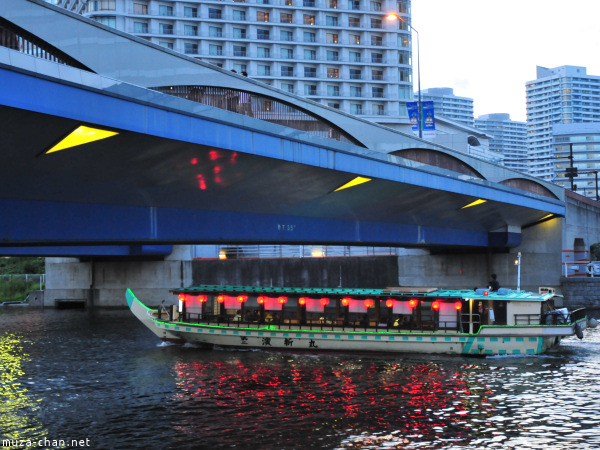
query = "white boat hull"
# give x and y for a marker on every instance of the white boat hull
(491, 340)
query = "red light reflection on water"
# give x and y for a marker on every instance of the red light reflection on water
(340, 395)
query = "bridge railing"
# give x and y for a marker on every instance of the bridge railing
(300, 251)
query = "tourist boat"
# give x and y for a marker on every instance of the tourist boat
(407, 320)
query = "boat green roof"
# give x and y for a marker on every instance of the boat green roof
(394, 292)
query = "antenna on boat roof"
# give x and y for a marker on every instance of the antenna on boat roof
(340, 285)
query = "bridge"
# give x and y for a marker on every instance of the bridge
(94, 165)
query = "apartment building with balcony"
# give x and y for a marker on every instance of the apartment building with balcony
(561, 95)
(341, 53)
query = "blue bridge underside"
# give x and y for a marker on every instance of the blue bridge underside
(171, 176)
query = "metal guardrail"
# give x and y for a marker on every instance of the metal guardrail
(301, 251)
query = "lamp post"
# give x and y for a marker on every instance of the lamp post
(391, 17)
(518, 264)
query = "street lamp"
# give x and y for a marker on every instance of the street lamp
(518, 264)
(391, 17)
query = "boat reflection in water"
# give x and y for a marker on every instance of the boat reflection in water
(314, 401)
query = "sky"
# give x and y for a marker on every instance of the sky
(488, 50)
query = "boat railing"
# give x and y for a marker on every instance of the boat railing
(577, 315)
(321, 325)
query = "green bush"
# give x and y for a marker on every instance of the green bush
(16, 289)
(22, 265)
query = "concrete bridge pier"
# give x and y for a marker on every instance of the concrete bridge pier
(102, 282)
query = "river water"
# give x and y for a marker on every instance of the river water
(72, 379)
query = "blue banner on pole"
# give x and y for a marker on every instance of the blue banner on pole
(413, 115)
(428, 119)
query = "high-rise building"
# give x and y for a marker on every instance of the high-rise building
(508, 141)
(453, 107)
(342, 53)
(561, 95)
(577, 145)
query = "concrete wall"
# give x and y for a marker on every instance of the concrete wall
(103, 282)
(374, 272)
(540, 263)
(583, 222)
(582, 292)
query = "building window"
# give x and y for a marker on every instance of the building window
(239, 50)
(331, 21)
(100, 5)
(403, 6)
(354, 4)
(377, 92)
(287, 2)
(140, 27)
(190, 30)
(376, 23)
(309, 37)
(287, 53)
(239, 15)
(333, 91)
(332, 4)
(262, 16)
(214, 13)
(165, 28)
(333, 105)
(353, 22)
(166, 44)
(332, 55)
(239, 68)
(310, 55)
(262, 2)
(354, 56)
(108, 21)
(309, 19)
(378, 110)
(140, 8)
(355, 74)
(376, 40)
(215, 31)
(404, 58)
(308, 3)
(355, 108)
(215, 50)
(164, 10)
(188, 11)
(377, 75)
(287, 71)
(264, 71)
(404, 75)
(355, 91)
(262, 34)
(287, 87)
(239, 33)
(285, 18)
(310, 89)
(263, 52)
(376, 58)
(286, 35)
(332, 38)
(190, 48)
(354, 39)
(310, 72)
(333, 72)
(375, 6)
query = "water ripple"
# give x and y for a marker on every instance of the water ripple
(105, 378)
